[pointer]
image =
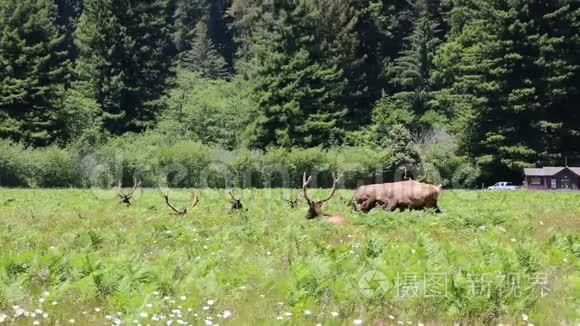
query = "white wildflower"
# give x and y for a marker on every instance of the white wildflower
(307, 312)
(36, 322)
(357, 322)
(19, 312)
(143, 315)
(210, 302)
(334, 314)
(524, 317)
(227, 314)
(97, 309)
(205, 308)
(71, 321)
(288, 314)
(391, 317)
(208, 322)
(3, 317)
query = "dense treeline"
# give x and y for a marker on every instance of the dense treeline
(501, 76)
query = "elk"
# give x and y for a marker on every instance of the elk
(315, 207)
(403, 195)
(183, 211)
(293, 203)
(236, 202)
(125, 198)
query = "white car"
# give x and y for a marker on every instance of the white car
(503, 185)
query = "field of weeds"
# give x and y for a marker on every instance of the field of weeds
(78, 256)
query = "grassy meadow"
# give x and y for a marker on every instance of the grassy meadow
(77, 256)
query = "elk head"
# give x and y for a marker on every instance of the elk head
(293, 203)
(181, 212)
(125, 198)
(315, 207)
(236, 202)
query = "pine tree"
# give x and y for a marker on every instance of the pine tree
(508, 83)
(185, 16)
(124, 60)
(410, 73)
(298, 96)
(202, 56)
(34, 72)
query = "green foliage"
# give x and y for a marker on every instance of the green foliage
(215, 112)
(34, 72)
(82, 251)
(123, 71)
(202, 56)
(509, 85)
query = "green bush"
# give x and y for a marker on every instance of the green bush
(14, 164)
(55, 167)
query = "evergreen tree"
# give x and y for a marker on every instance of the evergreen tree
(510, 85)
(203, 57)
(298, 96)
(185, 15)
(34, 72)
(123, 60)
(411, 72)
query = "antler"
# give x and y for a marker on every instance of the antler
(183, 211)
(305, 183)
(135, 186)
(126, 197)
(231, 193)
(335, 182)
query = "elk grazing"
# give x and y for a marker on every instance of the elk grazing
(402, 195)
(236, 202)
(315, 207)
(183, 211)
(293, 203)
(125, 198)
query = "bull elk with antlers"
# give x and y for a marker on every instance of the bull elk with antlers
(236, 202)
(181, 212)
(125, 198)
(315, 207)
(292, 202)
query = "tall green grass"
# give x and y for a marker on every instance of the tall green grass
(78, 254)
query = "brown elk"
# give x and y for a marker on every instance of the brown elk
(181, 212)
(315, 207)
(236, 202)
(293, 203)
(125, 198)
(402, 195)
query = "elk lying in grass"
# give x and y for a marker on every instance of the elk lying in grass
(402, 195)
(315, 207)
(293, 203)
(181, 212)
(236, 202)
(125, 198)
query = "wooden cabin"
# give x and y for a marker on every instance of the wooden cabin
(552, 178)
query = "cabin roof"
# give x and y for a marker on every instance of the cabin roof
(549, 171)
